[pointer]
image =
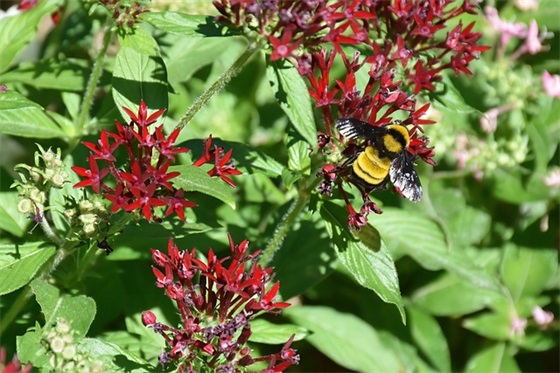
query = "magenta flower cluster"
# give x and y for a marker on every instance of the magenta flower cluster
(217, 299)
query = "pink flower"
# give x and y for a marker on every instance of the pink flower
(552, 179)
(533, 41)
(551, 84)
(542, 318)
(507, 29)
(517, 326)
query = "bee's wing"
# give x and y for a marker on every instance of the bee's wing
(352, 128)
(404, 177)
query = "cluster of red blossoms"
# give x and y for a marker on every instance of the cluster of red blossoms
(402, 46)
(144, 182)
(216, 300)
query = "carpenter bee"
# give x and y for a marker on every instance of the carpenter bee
(385, 157)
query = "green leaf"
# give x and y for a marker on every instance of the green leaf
(139, 74)
(490, 325)
(22, 117)
(64, 75)
(495, 359)
(187, 55)
(292, 95)
(541, 134)
(134, 241)
(78, 311)
(527, 271)
(194, 179)
(464, 224)
(428, 335)
(17, 31)
(184, 24)
(11, 220)
(266, 332)
(31, 350)
(316, 257)
(510, 187)
(450, 98)
(98, 349)
(298, 155)
(450, 295)
(371, 265)
(344, 338)
(419, 237)
(20, 263)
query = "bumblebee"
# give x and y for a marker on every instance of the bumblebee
(385, 157)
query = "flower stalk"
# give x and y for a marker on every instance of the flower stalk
(220, 83)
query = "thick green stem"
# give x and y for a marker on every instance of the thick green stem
(220, 83)
(92, 83)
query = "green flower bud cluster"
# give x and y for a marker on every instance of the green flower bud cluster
(64, 353)
(92, 215)
(48, 172)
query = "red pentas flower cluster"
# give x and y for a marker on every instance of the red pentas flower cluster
(400, 29)
(217, 299)
(143, 182)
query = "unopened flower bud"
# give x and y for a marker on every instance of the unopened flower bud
(88, 218)
(49, 174)
(69, 352)
(25, 206)
(49, 156)
(57, 345)
(90, 229)
(62, 327)
(148, 318)
(37, 196)
(86, 206)
(59, 178)
(70, 213)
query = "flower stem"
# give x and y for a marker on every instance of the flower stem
(92, 83)
(285, 225)
(220, 83)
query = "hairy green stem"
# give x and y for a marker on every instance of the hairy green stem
(284, 227)
(220, 83)
(92, 83)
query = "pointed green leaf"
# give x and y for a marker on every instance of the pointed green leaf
(22, 117)
(184, 24)
(292, 95)
(428, 335)
(527, 271)
(371, 265)
(264, 331)
(139, 74)
(345, 339)
(78, 311)
(194, 179)
(17, 31)
(64, 75)
(31, 350)
(99, 349)
(495, 359)
(20, 263)
(419, 237)
(490, 325)
(11, 220)
(450, 295)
